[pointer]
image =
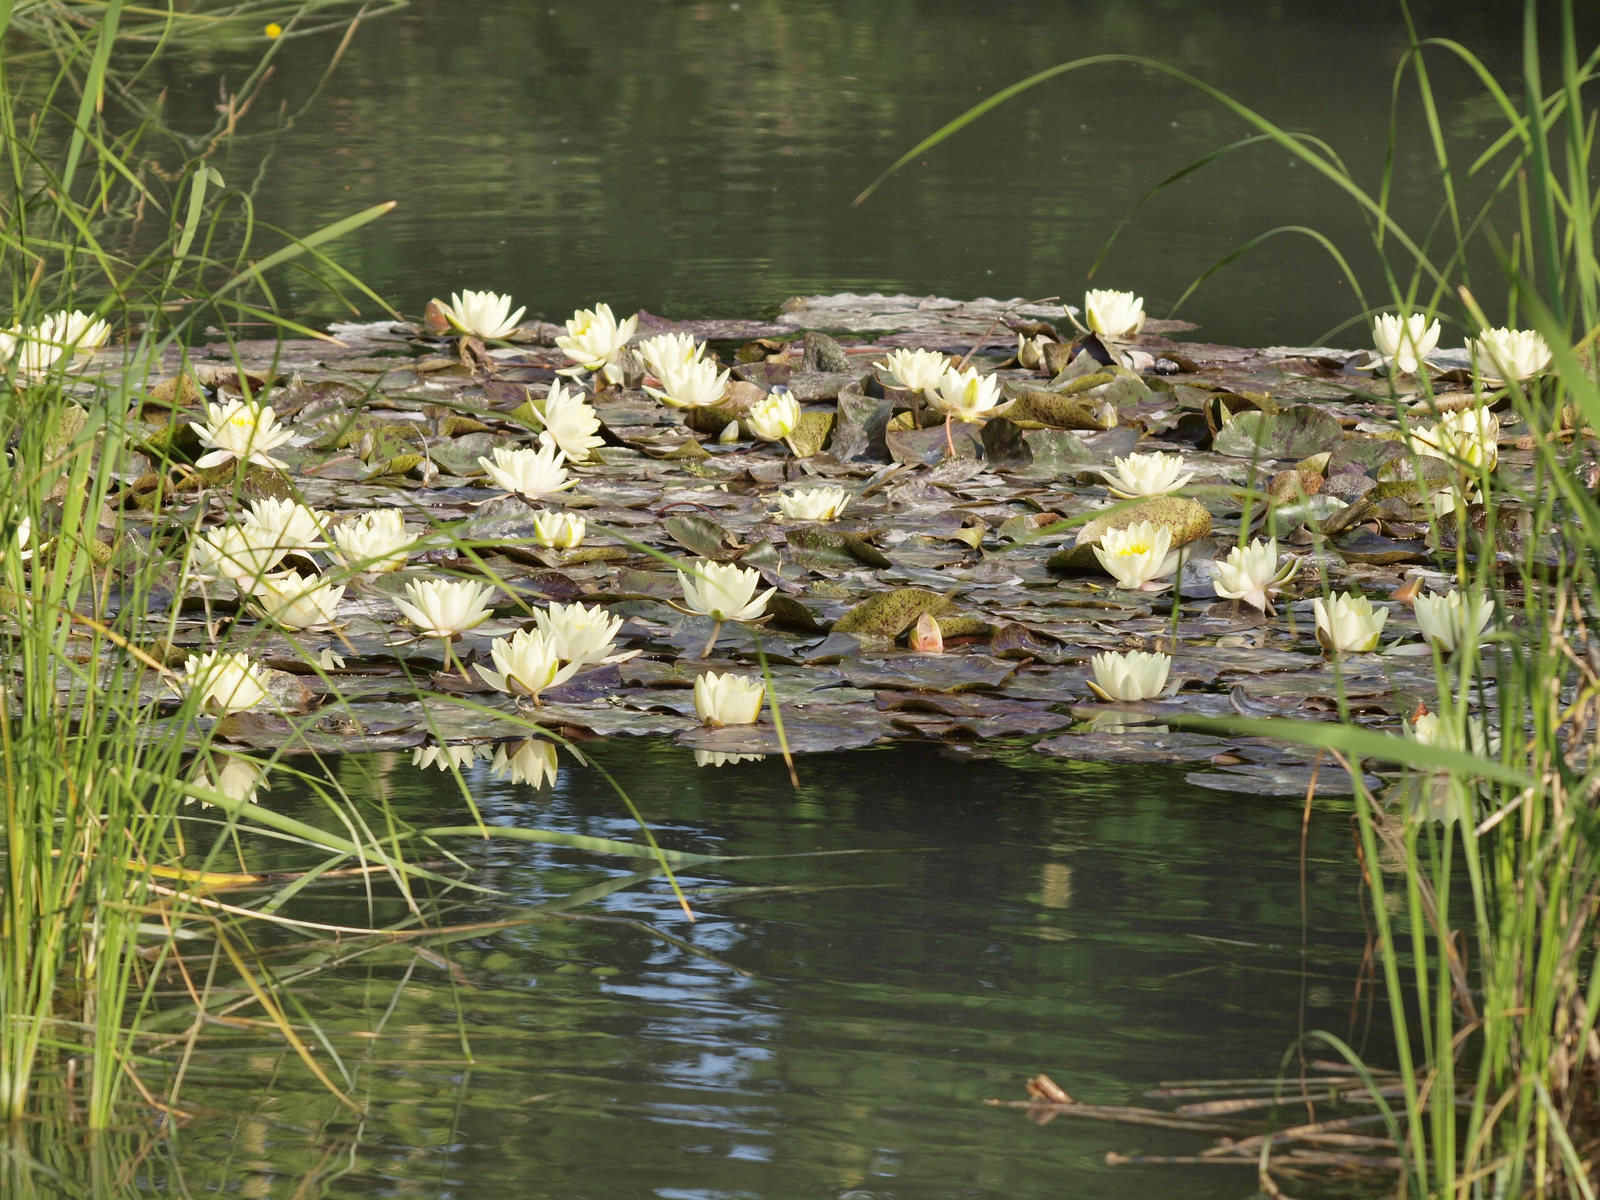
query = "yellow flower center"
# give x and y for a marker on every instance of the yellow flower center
(1136, 548)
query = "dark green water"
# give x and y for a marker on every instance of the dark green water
(700, 158)
(1110, 926)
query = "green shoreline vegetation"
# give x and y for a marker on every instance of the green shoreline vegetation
(209, 583)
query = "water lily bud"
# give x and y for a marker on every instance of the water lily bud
(729, 435)
(1114, 314)
(773, 418)
(1131, 676)
(1251, 573)
(485, 315)
(1030, 350)
(239, 777)
(1140, 557)
(1404, 342)
(243, 431)
(1141, 475)
(559, 530)
(442, 608)
(728, 699)
(1347, 623)
(1453, 619)
(531, 474)
(927, 638)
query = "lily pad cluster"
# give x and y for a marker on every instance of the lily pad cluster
(952, 521)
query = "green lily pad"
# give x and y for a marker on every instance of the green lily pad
(891, 613)
(1296, 432)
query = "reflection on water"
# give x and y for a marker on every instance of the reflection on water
(700, 158)
(829, 1025)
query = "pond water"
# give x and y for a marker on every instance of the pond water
(994, 917)
(997, 914)
(699, 159)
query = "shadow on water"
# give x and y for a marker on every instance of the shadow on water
(1110, 925)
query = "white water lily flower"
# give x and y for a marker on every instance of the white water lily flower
(485, 315)
(915, 370)
(376, 541)
(532, 762)
(290, 524)
(1139, 557)
(669, 350)
(695, 384)
(531, 474)
(34, 354)
(1140, 475)
(24, 536)
(225, 683)
(1348, 623)
(74, 331)
(774, 417)
(1251, 573)
(329, 660)
(1468, 437)
(1508, 355)
(569, 423)
(1114, 314)
(1453, 619)
(558, 530)
(728, 699)
(243, 431)
(242, 553)
(1405, 341)
(443, 608)
(1428, 729)
(966, 396)
(813, 504)
(240, 778)
(443, 758)
(1131, 676)
(527, 663)
(595, 341)
(1030, 350)
(296, 602)
(577, 633)
(723, 591)
(719, 758)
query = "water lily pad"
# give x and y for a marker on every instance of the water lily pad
(1188, 521)
(1296, 432)
(1135, 744)
(1279, 779)
(846, 728)
(862, 422)
(891, 613)
(928, 672)
(1064, 411)
(701, 535)
(812, 434)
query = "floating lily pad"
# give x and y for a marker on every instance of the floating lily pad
(1295, 432)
